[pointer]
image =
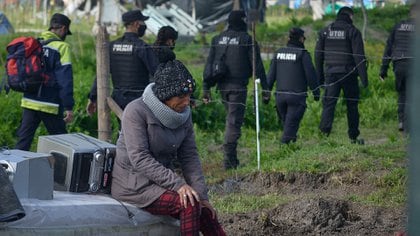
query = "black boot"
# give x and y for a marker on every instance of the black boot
(359, 141)
(401, 126)
(231, 163)
(230, 156)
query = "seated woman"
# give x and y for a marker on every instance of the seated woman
(157, 130)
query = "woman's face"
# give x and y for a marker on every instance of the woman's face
(171, 43)
(179, 103)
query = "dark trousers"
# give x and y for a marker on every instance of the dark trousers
(234, 100)
(193, 219)
(401, 70)
(350, 87)
(123, 98)
(291, 109)
(30, 122)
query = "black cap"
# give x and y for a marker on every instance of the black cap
(236, 17)
(133, 15)
(345, 10)
(296, 33)
(58, 20)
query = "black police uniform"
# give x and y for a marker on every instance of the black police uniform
(292, 70)
(340, 49)
(132, 63)
(398, 50)
(233, 88)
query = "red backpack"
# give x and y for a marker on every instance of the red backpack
(25, 66)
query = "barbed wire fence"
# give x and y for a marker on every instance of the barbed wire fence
(272, 52)
(270, 49)
(274, 47)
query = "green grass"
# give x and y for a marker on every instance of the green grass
(391, 189)
(331, 154)
(384, 152)
(242, 203)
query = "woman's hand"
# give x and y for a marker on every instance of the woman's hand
(207, 205)
(186, 193)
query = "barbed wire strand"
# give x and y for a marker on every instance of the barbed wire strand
(250, 92)
(275, 47)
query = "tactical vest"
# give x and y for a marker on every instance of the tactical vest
(402, 40)
(127, 70)
(237, 59)
(337, 47)
(290, 73)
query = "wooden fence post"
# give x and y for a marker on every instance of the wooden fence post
(102, 73)
(236, 5)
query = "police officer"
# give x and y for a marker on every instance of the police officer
(399, 52)
(164, 46)
(236, 44)
(292, 70)
(339, 59)
(165, 43)
(132, 62)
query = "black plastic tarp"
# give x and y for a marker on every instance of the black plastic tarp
(213, 12)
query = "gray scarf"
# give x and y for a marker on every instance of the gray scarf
(168, 117)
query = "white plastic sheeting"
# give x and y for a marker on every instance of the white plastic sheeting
(109, 17)
(172, 15)
(87, 214)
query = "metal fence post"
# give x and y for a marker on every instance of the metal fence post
(413, 106)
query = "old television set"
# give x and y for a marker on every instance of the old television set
(81, 163)
(30, 173)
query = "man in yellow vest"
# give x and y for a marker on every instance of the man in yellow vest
(55, 97)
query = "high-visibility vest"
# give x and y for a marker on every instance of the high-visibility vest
(47, 107)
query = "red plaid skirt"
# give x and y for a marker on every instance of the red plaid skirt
(193, 219)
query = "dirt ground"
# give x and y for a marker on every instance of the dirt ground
(319, 206)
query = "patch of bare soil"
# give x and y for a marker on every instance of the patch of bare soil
(319, 206)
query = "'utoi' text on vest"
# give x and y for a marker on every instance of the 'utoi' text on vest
(337, 34)
(227, 40)
(406, 27)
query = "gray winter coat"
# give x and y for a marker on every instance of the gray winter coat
(146, 150)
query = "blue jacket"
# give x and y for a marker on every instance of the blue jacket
(57, 94)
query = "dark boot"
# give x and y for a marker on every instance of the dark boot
(231, 163)
(359, 141)
(230, 156)
(401, 126)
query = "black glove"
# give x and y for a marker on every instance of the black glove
(316, 97)
(321, 79)
(266, 96)
(365, 83)
(193, 104)
(383, 73)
